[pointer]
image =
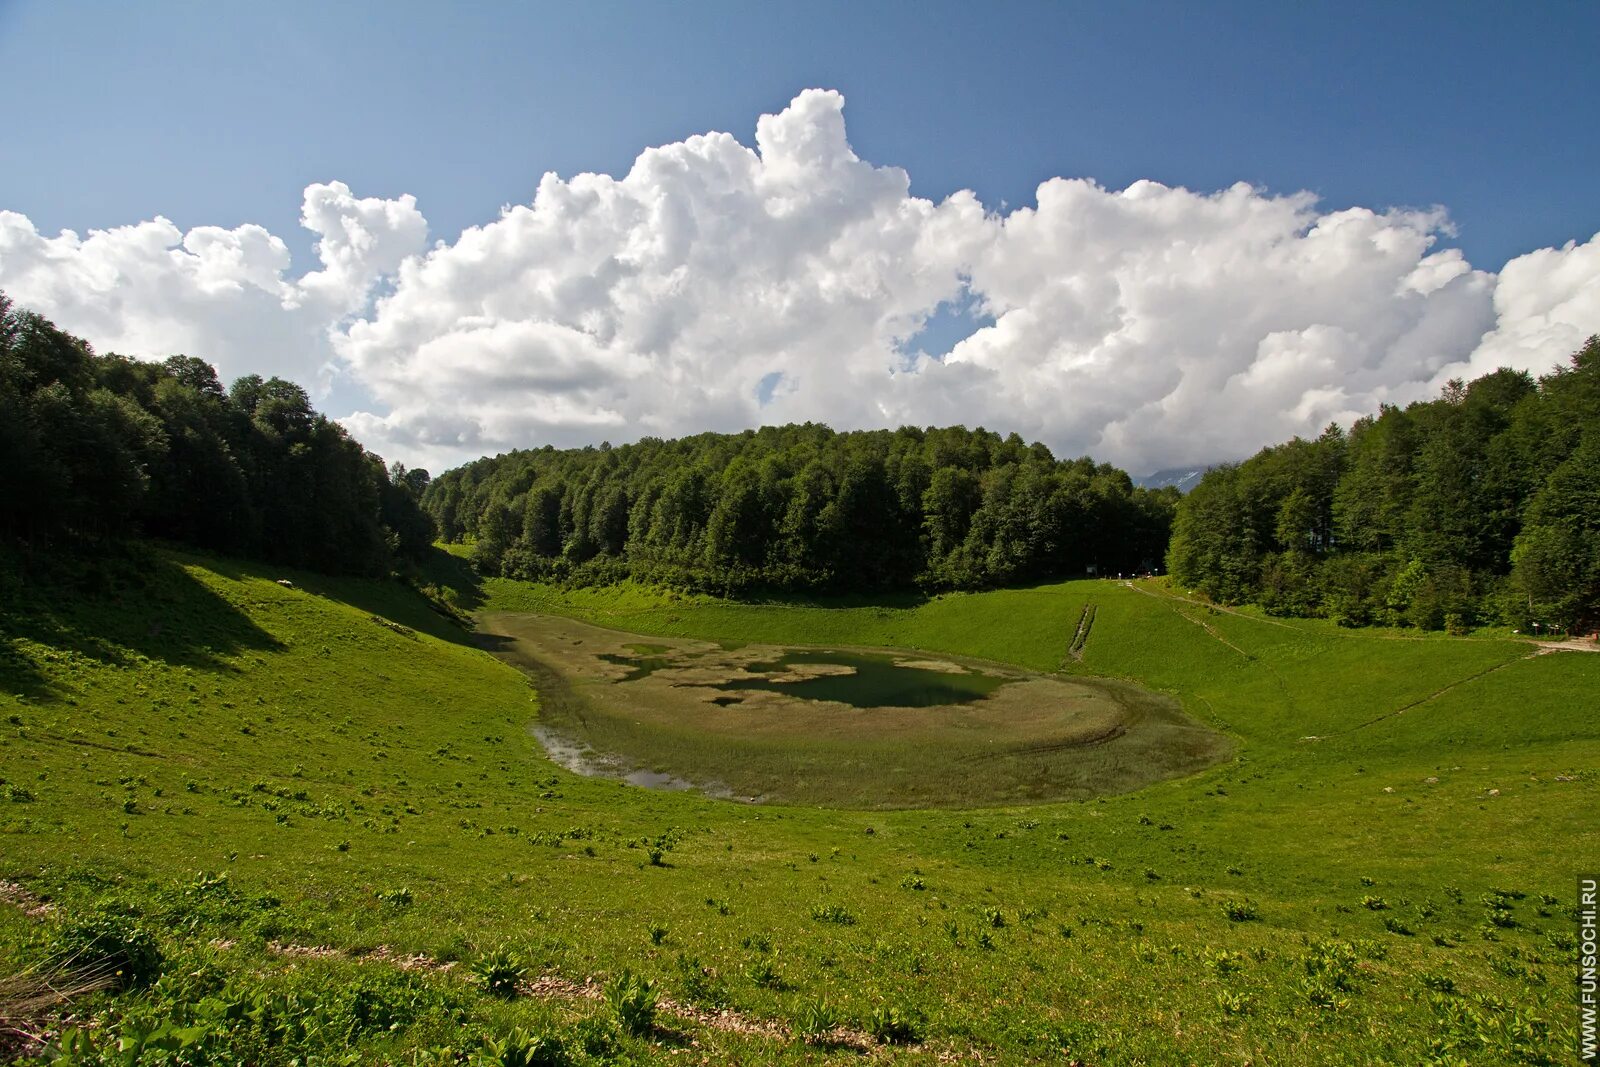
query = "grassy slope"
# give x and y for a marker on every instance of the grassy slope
(411, 748)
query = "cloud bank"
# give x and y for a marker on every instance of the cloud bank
(720, 286)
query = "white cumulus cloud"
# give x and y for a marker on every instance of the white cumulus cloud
(153, 290)
(720, 286)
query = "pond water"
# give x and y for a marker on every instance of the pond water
(580, 759)
(874, 681)
(868, 681)
(639, 666)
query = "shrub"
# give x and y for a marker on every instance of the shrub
(115, 945)
(596, 1036)
(762, 973)
(1320, 994)
(1439, 983)
(816, 1022)
(1234, 1003)
(833, 913)
(1240, 911)
(701, 985)
(500, 972)
(632, 999)
(1331, 965)
(521, 1049)
(893, 1025)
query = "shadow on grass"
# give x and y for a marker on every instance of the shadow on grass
(118, 606)
(434, 601)
(454, 577)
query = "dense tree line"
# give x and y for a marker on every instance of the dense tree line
(1480, 506)
(96, 447)
(797, 507)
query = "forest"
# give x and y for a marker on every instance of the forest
(1479, 507)
(803, 508)
(98, 448)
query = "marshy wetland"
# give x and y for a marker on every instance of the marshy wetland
(840, 727)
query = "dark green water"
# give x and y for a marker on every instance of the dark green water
(642, 666)
(876, 682)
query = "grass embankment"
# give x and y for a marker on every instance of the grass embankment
(245, 771)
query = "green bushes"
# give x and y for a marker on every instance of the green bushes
(500, 972)
(112, 944)
(253, 1018)
(518, 1048)
(833, 913)
(891, 1024)
(816, 1022)
(1240, 911)
(632, 999)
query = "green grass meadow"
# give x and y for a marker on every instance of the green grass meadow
(289, 791)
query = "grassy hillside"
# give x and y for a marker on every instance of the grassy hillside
(290, 791)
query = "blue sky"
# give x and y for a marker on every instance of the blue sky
(680, 299)
(219, 113)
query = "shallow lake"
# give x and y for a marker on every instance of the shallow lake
(872, 681)
(839, 727)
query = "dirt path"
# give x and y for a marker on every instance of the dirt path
(1206, 626)
(1571, 644)
(1213, 607)
(1436, 694)
(545, 987)
(555, 987)
(1080, 636)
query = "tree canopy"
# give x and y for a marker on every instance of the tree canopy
(1480, 506)
(801, 507)
(96, 447)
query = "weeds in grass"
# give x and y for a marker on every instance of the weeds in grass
(816, 1022)
(891, 1024)
(500, 972)
(1439, 983)
(112, 944)
(632, 999)
(1240, 911)
(833, 913)
(1234, 1003)
(700, 984)
(763, 973)
(519, 1048)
